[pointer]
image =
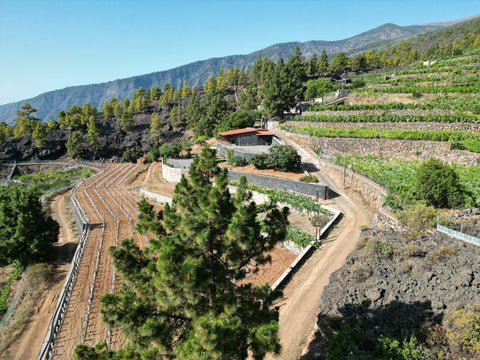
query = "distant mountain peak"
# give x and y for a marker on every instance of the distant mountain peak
(196, 73)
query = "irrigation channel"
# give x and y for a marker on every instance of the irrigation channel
(111, 214)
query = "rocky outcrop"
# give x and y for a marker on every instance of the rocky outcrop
(395, 286)
(112, 140)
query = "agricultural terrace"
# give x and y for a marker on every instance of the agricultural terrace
(437, 103)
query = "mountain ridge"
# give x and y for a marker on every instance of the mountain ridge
(50, 103)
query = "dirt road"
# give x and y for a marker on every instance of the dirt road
(302, 296)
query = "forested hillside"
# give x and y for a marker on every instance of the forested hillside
(50, 103)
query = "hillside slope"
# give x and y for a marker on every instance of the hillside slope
(50, 103)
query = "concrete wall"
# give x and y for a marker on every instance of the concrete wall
(245, 152)
(281, 184)
(172, 174)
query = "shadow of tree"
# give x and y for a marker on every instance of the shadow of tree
(357, 328)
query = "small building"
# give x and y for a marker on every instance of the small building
(247, 137)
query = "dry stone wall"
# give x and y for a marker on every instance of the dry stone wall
(423, 126)
(394, 148)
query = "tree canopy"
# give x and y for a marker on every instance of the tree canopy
(183, 296)
(26, 231)
(438, 184)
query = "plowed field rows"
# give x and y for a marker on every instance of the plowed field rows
(112, 213)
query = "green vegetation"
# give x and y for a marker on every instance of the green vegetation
(82, 172)
(461, 104)
(418, 219)
(6, 287)
(318, 88)
(399, 178)
(26, 230)
(463, 139)
(131, 154)
(280, 157)
(296, 201)
(352, 341)
(438, 184)
(182, 296)
(232, 159)
(386, 117)
(309, 179)
(299, 237)
(463, 331)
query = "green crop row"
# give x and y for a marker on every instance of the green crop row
(299, 237)
(57, 175)
(296, 201)
(463, 88)
(6, 288)
(455, 103)
(365, 118)
(399, 177)
(462, 139)
(458, 78)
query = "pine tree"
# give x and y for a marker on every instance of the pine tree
(92, 135)
(40, 135)
(127, 122)
(313, 65)
(194, 112)
(323, 64)
(280, 92)
(183, 296)
(155, 127)
(74, 145)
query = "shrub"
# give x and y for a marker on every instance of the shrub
(309, 179)
(357, 83)
(280, 157)
(235, 160)
(463, 330)
(201, 139)
(131, 154)
(441, 254)
(409, 250)
(260, 161)
(417, 219)
(376, 249)
(360, 271)
(438, 184)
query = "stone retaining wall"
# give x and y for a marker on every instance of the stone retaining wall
(423, 126)
(392, 148)
(172, 174)
(308, 189)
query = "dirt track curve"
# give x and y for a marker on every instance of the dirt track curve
(112, 213)
(302, 295)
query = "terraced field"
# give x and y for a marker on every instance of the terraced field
(111, 211)
(413, 114)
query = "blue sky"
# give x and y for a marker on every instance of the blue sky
(51, 44)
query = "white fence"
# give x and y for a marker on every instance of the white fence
(459, 235)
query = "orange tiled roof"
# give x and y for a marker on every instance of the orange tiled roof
(264, 132)
(238, 131)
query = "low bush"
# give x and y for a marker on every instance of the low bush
(360, 271)
(309, 179)
(441, 254)
(131, 154)
(235, 160)
(376, 249)
(280, 157)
